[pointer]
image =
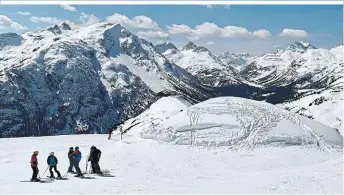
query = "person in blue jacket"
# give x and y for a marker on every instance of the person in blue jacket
(52, 162)
(77, 159)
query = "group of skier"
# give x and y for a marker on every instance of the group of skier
(74, 160)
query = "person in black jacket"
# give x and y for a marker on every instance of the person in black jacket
(52, 162)
(71, 159)
(94, 158)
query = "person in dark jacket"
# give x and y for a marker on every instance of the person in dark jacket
(34, 166)
(94, 158)
(71, 159)
(77, 159)
(52, 162)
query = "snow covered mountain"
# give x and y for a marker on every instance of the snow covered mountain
(274, 69)
(62, 80)
(161, 48)
(303, 79)
(200, 61)
(9, 39)
(300, 46)
(84, 80)
(321, 96)
(236, 60)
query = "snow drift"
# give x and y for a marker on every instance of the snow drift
(237, 122)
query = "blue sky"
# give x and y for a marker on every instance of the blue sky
(236, 28)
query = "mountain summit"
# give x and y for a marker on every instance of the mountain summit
(300, 46)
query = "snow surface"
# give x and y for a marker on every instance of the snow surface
(151, 166)
(238, 123)
(146, 166)
(329, 112)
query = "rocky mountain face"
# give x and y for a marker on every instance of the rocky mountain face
(69, 81)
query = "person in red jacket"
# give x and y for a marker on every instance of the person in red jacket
(34, 166)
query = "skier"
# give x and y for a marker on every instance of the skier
(77, 158)
(110, 133)
(115, 128)
(52, 162)
(34, 166)
(71, 159)
(94, 158)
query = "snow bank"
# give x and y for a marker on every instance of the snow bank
(159, 112)
(238, 122)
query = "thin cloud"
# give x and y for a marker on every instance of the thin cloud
(47, 20)
(207, 29)
(69, 8)
(179, 29)
(209, 6)
(262, 33)
(24, 13)
(153, 34)
(142, 22)
(88, 19)
(210, 43)
(8, 23)
(235, 31)
(294, 33)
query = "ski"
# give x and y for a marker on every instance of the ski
(57, 178)
(40, 181)
(61, 178)
(85, 177)
(105, 175)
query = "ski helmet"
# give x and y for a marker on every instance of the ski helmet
(77, 147)
(71, 148)
(35, 152)
(51, 153)
(93, 148)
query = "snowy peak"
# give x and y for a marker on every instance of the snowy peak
(65, 26)
(10, 39)
(236, 60)
(229, 54)
(300, 46)
(190, 46)
(59, 29)
(165, 46)
(193, 47)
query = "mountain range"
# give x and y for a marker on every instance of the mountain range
(85, 80)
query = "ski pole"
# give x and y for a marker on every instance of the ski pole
(86, 164)
(45, 171)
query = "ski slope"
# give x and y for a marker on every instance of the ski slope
(143, 163)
